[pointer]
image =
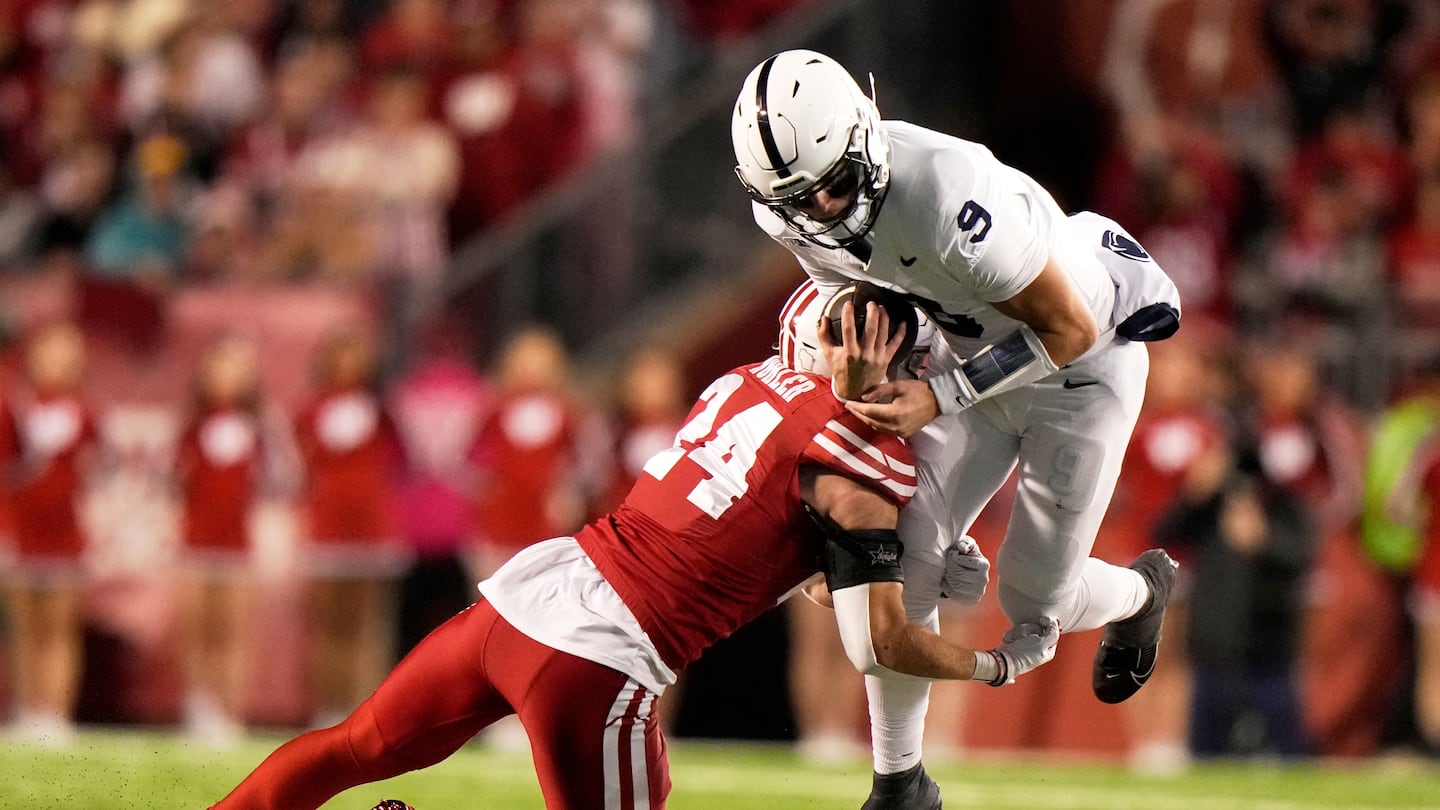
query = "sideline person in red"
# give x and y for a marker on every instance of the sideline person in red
(218, 464)
(52, 431)
(539, 456)
(769, 479)
(351, 456)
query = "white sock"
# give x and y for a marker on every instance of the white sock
(1106, 593)
(897, 720)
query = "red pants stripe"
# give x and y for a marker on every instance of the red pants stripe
(594, 734)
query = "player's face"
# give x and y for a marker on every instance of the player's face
(835, 194)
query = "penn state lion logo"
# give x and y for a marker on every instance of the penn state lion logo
(1123, 245)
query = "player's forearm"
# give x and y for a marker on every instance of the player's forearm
(914, 650)
(880, 640)
(1052, 308)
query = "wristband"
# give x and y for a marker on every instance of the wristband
(990, 667)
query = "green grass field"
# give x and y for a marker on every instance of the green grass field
(155, 771)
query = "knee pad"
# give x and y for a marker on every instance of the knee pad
(1019, 606)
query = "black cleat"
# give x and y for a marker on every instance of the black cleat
(912, 789)
(392, 804)
(1127, 653)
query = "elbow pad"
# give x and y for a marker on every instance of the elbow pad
(1016, 359)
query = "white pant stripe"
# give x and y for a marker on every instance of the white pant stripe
(627, 719)
(639, 766)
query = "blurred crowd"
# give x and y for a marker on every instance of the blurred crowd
(150, 144)
(1279, 158)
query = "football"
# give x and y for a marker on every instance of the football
(896, 306)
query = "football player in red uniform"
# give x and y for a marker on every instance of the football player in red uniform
(769, 479)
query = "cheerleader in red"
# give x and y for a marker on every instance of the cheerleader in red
(541, 459)
(652, 405)
(217, 463)
(351, 454)
(53, 435)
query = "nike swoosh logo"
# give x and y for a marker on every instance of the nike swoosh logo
(1069, 383)
(909, 261)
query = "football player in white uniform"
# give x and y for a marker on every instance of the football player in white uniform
(1040, 361)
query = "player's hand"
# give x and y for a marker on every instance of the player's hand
(967, 572)
(900, 408)
(1027, 646)
(860, 361)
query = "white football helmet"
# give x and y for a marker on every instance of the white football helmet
(801, 123)
(799, 344)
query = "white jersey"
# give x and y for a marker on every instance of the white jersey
(958, 232)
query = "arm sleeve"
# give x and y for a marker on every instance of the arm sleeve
(852, 617)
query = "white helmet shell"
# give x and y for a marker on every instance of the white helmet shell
(800, 118)
(799, 344)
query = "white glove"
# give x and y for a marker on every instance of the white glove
(967, 572)
(1026, 647)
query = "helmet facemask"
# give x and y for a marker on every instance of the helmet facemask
(864, 165)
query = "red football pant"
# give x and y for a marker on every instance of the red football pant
(593, 732)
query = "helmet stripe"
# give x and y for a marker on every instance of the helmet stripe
(799, 302)
(762, 111)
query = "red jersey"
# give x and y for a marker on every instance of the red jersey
(216, 463)
(350, 449)
(1316, 456)
(50, 435)
(635, 443)
(1163, 448)
(527, 450)
(714, 532)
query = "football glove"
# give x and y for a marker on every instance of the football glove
(967, 572)
(1026, 647)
